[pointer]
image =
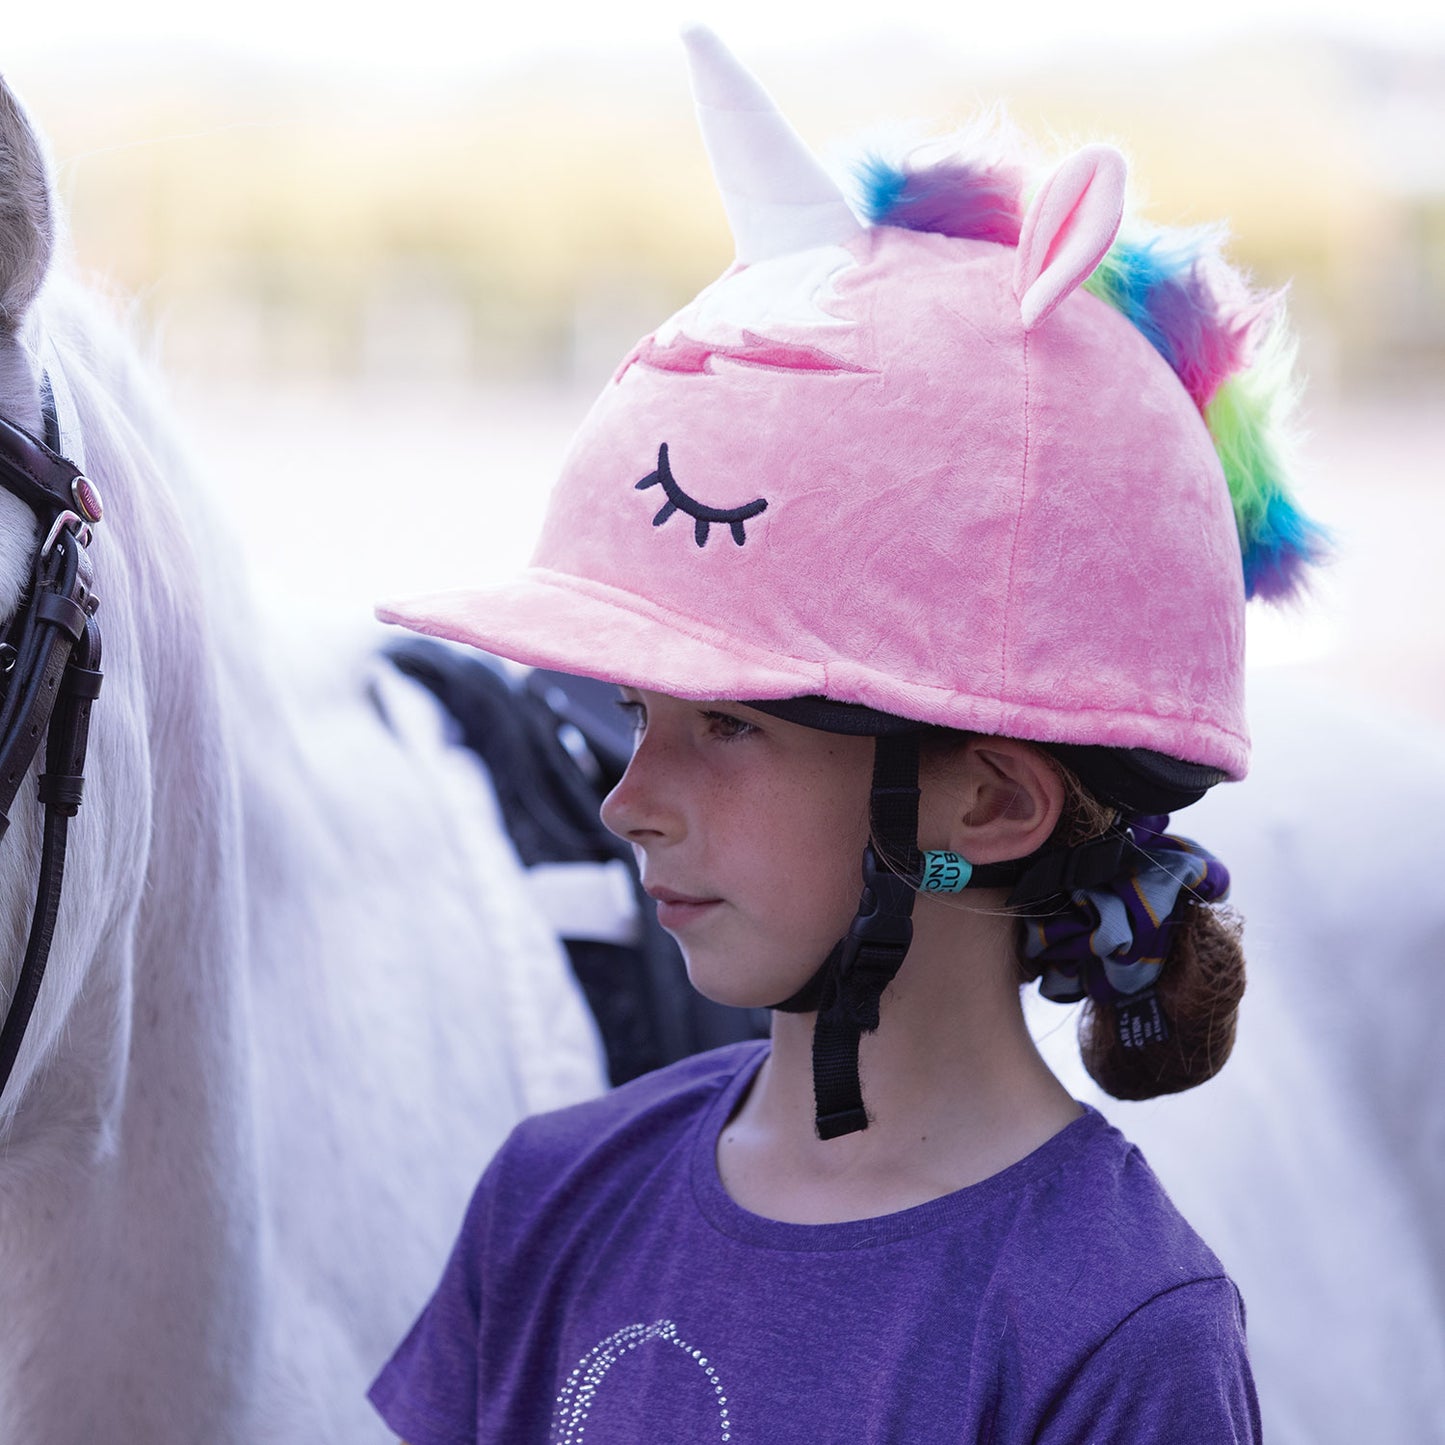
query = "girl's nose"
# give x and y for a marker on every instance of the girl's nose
(638, 810)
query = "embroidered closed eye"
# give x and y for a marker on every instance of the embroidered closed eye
(702, 515)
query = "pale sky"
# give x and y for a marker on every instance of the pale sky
(436, 37)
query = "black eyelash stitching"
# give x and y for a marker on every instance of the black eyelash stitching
(703, 516)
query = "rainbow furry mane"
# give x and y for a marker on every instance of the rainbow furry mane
(1228, 345)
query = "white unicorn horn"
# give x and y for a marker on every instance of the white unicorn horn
(777, 197)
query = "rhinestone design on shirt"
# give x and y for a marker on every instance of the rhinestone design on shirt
(579, 1394)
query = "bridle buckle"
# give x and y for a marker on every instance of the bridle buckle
(71, 522)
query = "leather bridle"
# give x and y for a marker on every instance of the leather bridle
(49, 676)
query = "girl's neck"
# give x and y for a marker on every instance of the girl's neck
(954, 1087)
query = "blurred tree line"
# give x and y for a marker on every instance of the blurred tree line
(533, 225)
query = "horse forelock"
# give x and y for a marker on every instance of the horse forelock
(27, 212)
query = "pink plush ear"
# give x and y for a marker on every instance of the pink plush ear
(1070, 225)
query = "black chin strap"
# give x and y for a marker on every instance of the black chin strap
(847, 989)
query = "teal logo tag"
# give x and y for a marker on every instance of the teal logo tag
(945, 872)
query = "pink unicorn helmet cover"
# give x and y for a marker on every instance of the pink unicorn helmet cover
(926, 473)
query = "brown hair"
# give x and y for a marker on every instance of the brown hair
(1199, 988)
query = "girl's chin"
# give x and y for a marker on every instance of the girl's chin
(724, 981)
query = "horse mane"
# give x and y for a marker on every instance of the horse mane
(269, 891)
(163, 620)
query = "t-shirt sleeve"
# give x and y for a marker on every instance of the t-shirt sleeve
(1176, 1372)
(427, 1392)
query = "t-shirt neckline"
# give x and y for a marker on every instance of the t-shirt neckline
(728, 1217)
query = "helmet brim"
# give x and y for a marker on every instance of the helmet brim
(544, 619)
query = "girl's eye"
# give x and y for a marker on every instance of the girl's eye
(635, 714)
(724, 725)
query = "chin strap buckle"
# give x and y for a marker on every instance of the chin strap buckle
(878, 936)
(867, 960)
(864, 962)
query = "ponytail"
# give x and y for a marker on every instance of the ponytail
(1198, 989)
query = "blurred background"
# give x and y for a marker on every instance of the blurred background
(385, 263)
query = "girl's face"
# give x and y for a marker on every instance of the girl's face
(749, 832)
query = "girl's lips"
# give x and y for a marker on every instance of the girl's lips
(677, 910)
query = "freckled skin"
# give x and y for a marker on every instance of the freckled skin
(761, 820)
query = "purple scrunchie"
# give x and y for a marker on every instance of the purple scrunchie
(1112, 940)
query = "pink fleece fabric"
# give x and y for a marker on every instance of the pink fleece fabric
(1020, 532)
(1068, 229)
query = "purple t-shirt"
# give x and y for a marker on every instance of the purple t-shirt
(605, 1289)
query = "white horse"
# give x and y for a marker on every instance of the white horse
(296, 995)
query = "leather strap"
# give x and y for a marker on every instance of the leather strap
(38, 476)
(54, 647)
(43, 649)
(37, 949)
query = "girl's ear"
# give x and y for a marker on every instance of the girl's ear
(992, 800)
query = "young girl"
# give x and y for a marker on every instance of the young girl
(909, 542)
